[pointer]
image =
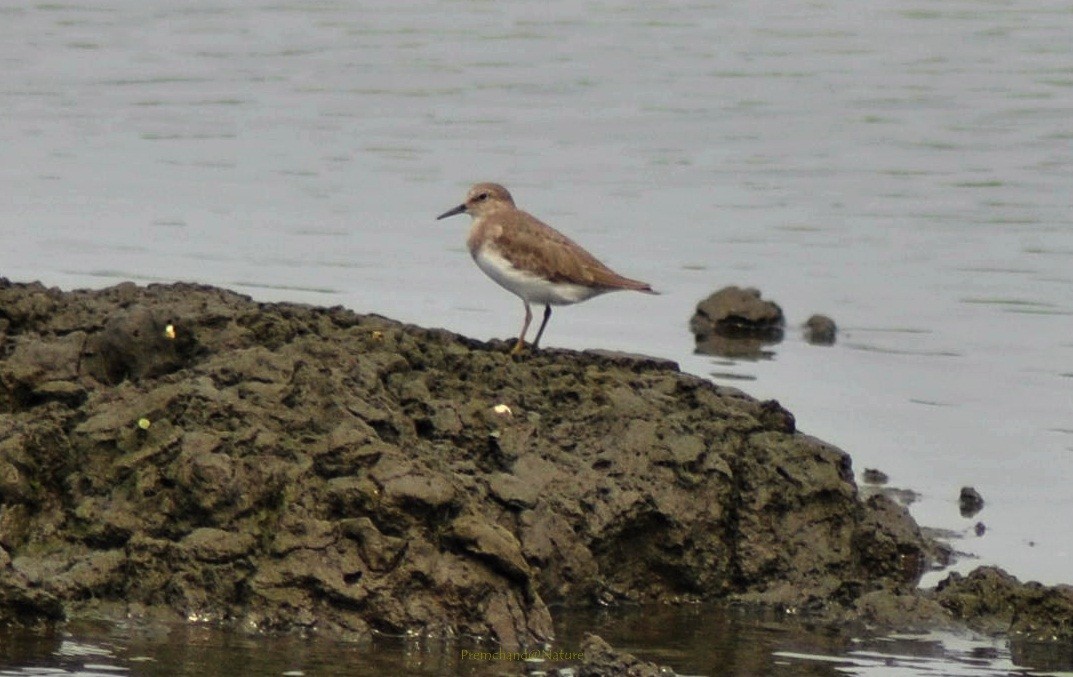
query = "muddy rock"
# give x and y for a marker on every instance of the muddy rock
(875, 477)
(736, 322)
(994, 601)
(21, 601)
(182, 449)
(738, 308)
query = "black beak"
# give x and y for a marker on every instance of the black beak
(460, 209)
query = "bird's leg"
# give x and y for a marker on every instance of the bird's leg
(540, 332)
(520, 345)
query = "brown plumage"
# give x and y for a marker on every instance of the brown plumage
(532, 259)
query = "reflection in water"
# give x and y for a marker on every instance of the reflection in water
(693, 640)
(737, 347)
(707, 640)
(720, 642)
(696, 639)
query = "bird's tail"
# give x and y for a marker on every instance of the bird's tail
(637, 285)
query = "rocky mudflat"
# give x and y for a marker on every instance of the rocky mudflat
(183, 451)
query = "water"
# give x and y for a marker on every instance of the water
(902, 166)
(696, 640)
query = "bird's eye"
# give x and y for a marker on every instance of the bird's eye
(482, 197)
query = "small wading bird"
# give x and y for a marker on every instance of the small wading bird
(531, 259)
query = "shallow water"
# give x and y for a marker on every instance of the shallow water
(899, 165)
(694, 640)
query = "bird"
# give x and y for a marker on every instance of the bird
(531, 259)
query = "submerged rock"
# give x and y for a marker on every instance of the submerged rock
(281, 466)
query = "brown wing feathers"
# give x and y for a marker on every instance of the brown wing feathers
(530, 244)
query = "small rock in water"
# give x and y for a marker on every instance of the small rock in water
(970, 502)
(820, 330)
(736, 322)
(873, 476)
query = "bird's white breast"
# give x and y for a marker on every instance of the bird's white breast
(528, 285)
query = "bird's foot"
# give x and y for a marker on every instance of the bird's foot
(518, 348)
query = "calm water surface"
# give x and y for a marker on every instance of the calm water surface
(701, 640)
(902, 166)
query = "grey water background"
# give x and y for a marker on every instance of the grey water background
(903, 166)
